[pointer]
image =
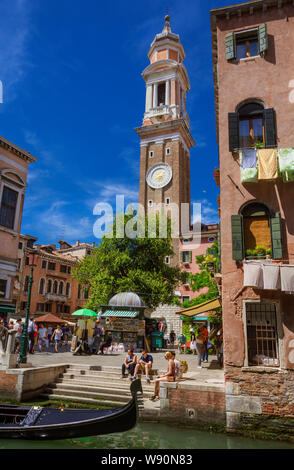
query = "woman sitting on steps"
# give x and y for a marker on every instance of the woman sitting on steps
(170, 376)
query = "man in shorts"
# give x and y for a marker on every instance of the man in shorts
(57, 335)
(42, 337)
(145, 364)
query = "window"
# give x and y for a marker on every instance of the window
(86, 294)
(48, 308)
(252, 124)
(51, 266)
(256, 226)
(55, 287)
(23, 306)
(8, 207)
(186, 256)
(151, 154)
(42, 286)
(49, 286)
(167, 151)
(67, 290)
(61, 286)
(69, 269)
(40, 307)
(248, 43)
(167, 259)
(262, 335)
(161, 94)
(63, 268)
(66, 309)
(79, 292)
(3, 285)
(20, 246)
(18, 263)
(150, 203)
(59, 308)
(27, 260)
(26, 284)
(185, 298)
(167, 201)
(44, 264)
(186, 240)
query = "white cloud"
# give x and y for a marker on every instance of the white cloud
(209, 213)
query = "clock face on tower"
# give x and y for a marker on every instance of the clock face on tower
(159, 175)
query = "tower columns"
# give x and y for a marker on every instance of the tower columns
(148, 98)
(155, 94)
(167, 92)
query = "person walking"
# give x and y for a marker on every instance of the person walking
(42, 337)
(170, 376)
(106, 343)
(205, 344)
(56, 336)
(129, 363)
(32, 328)
(172, 337)
(200, 339)
(193, 342)
(182, 343)
(19, 329)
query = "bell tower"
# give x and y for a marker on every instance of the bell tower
(165, 132)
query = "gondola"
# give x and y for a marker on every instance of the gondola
(37, 423)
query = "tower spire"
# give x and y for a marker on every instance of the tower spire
(167, 28)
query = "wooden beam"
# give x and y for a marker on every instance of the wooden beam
(251, 11)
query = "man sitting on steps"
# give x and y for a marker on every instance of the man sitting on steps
(145, 363)
(129, 363)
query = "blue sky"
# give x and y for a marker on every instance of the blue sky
(73, 94)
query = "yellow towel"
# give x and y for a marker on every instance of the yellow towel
(267, 164)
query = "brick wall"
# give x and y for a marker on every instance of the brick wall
(7, 385)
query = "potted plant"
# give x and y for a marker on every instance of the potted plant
(268, 253)
(216, 175)
(259, 145)
(250, 254)
(210, 262)
(260, 251)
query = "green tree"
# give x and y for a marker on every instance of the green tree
(205, 279)
(131, 265)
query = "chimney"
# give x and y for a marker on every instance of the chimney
(78, 243)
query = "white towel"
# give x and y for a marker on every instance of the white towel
(253, 275)
(287, 278)
(271, 276)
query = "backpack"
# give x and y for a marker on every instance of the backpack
(184, 365)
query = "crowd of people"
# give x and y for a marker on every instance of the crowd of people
(40, 335)
(201, 343)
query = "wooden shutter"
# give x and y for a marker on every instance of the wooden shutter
(262, 38)
(276, 232)
(270, 127)
(237, 237)
(233, 119)
(230, 46)
(182, 257)
(190, 256)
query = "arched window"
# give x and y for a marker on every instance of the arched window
(86, 293)
(61, 286)
(42, 286)
(55, 287)
(49, 286)
(67, 290)
(256, 228)
(252, 125)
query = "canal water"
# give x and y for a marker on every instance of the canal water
(152, 436)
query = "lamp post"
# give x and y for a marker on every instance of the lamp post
(22, 359)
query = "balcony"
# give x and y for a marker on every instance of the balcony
(55, 298)
(268, 275)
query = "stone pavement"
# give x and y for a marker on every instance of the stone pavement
(210, 373)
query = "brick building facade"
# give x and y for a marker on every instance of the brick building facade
(253, 61)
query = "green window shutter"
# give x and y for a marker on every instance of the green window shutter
(182, 257)
(190, 256)
(237, 237)
(233, 119)
(270, 127)
(262, 38)
(276, 233)
(230, 46)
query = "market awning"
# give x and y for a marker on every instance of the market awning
(197, 318)
(119, 313)
(7, 309)
(201, 308)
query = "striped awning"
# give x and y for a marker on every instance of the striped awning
(200, 308)
(119, 313)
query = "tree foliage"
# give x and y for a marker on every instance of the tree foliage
(131, 265)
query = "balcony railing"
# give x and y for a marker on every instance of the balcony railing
(55, 297)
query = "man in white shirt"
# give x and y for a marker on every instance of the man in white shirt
(42, 337)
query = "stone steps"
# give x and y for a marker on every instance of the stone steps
(78, 399)
(122, 384)
(96, 389)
